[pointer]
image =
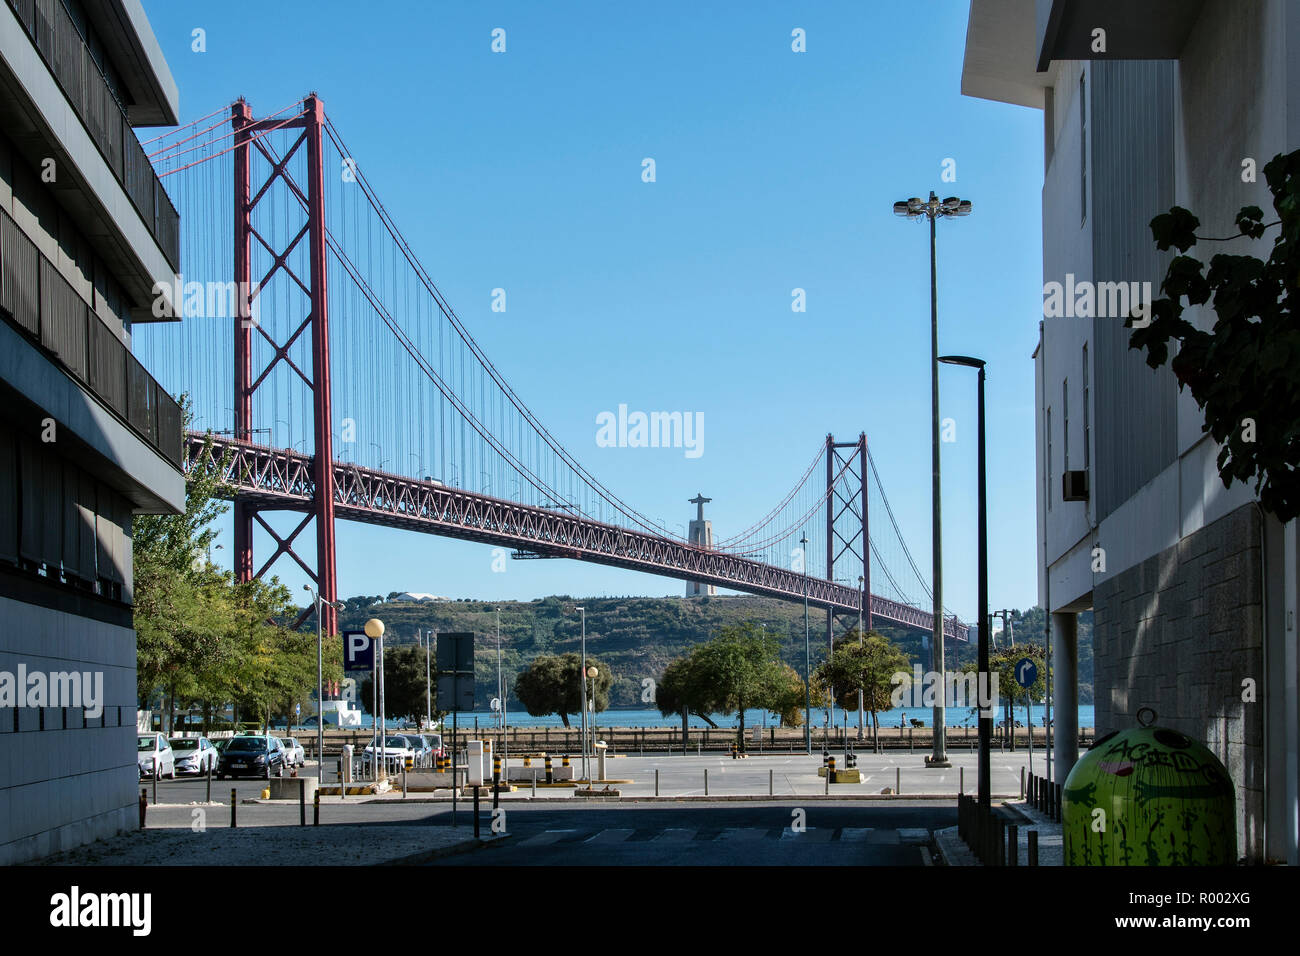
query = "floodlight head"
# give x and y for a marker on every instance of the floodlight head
(902, 209)
(963, 208)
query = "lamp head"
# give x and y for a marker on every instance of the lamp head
(374, 628)
(966, 360)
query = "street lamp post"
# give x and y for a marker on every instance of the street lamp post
(861, 700)
(933, 209)
(374, 629)
(807, 652)
(986, 718)
(582, 683)
(500, 701)
(320, 683)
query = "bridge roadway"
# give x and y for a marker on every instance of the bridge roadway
(282, 479)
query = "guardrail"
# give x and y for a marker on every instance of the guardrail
(45, 306)
(54, 34)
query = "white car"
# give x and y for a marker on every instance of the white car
(154, 757)
(194, 755)
(396, 750)
(294, 755)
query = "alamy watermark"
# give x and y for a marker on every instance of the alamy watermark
(952, 689)
(36, 688)
(651, 430)
(1099, 300)
(207, 300)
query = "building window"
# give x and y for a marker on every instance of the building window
(1065, 425)
(1087, 422)
(1047, 470)
(1083, 152)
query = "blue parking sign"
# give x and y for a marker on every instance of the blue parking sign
(358, 651)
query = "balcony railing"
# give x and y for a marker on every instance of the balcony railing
(37, 299)
(61, 46)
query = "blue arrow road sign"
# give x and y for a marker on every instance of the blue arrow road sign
(1026, 672)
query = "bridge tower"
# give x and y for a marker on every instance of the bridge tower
(700, 534)
(314, 287)
(848, 533)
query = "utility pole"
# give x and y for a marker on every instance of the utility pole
(807, 651)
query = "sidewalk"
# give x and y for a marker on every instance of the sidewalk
(1050, 842)
(337, 845)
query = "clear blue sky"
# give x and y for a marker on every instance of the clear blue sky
(775, 170)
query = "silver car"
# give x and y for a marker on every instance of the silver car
(194, 755)
(294, 755)
(154, 757)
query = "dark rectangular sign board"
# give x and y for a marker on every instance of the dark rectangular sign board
(456, 653)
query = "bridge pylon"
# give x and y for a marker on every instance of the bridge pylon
(848, 535)
(314, 287)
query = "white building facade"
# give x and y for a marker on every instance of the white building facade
(1193, 586)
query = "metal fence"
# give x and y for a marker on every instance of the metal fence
(46, 306)
(62, 47)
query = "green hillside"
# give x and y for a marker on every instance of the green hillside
(636, 636)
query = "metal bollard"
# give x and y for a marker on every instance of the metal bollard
(1022, 783)
(315, 810)
(496, 781)
(1013, 845)
(769, 782)
(155, 788)
(961, 780)
(144, 805)
(476, 821)
(706, 781)
(403, 782)
(234, 807)
(1033, 847)
(208, 798)
(302, 802)
(656, 781)
(534, 783)
(549, 772)
(898, 780)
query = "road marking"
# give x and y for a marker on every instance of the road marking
(743, 834)
(810, 835)
(616, 835)
(550, 836)
(675, 835)
(855, 834)
(914, 835)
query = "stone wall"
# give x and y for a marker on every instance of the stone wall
(1179, 633)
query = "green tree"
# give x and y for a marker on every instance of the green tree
(679, 692)
(1003, 664)
(406, 688)
(1243, 373)
(550, 685)
(739, 668)
(868, 667)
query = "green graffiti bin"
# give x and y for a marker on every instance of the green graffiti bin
(1149, 796)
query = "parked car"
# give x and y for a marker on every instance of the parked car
(295, 756)
(249, 756)
(396, 750)
(194, 754)
(220, 746)
(154, 757)
(419, 747)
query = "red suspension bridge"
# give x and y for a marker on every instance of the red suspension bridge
(279, 218)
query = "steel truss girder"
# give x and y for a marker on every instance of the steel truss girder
(282, 479)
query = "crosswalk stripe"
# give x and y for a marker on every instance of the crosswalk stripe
(550, 836)
(810, 835)
(617, 835)
(675, 835)
(743, 834)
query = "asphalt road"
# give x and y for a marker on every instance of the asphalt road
(701, 834)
